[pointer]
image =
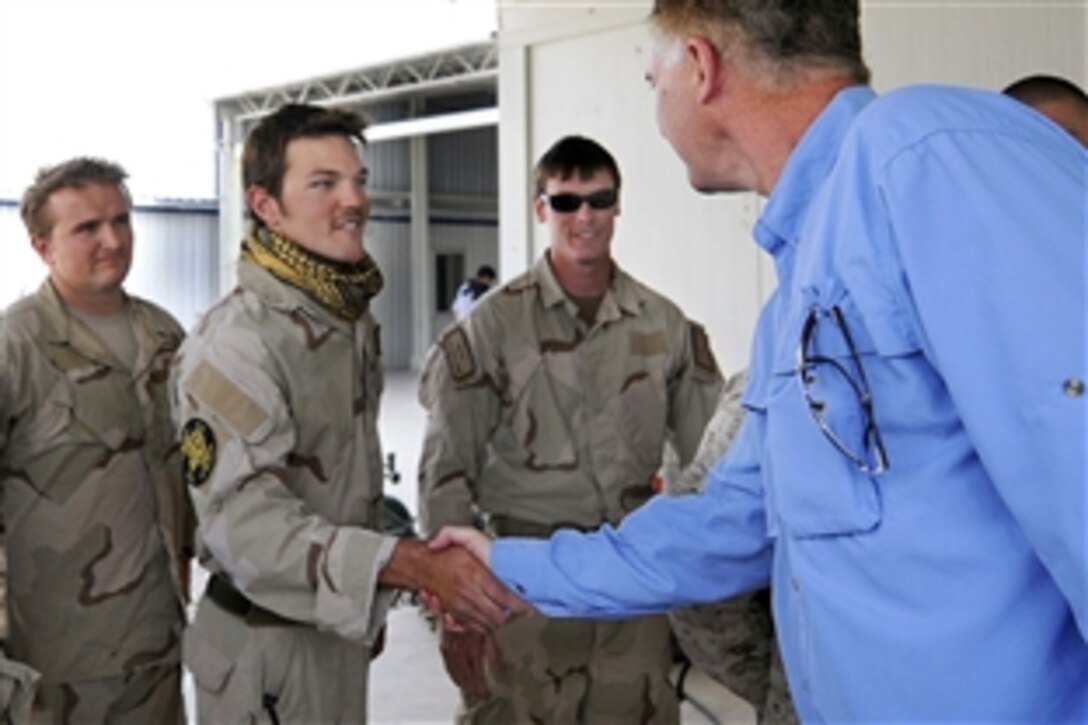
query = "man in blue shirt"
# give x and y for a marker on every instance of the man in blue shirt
(911, 472)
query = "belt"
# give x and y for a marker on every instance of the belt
(229, 599)
(503, 525)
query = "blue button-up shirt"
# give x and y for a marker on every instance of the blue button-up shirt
(947, 229)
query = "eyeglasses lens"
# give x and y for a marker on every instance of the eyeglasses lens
(567, 203)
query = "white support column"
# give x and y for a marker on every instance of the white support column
(422, 258)
(515, 145)
(231, 200)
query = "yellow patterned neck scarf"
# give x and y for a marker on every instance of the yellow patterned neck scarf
(344, 288)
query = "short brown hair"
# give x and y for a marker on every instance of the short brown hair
(791, 34)
(570, 155)
(75, 173)
(264, 159)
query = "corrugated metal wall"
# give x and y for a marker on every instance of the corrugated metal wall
(174, 263)
(462, 172)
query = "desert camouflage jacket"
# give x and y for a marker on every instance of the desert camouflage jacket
(276, 400)
(537, 416)
(96, 520)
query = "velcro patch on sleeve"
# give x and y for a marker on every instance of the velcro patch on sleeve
(222, 396)
(646, 344)
(700, 348)
(458, 354)
(198, 449)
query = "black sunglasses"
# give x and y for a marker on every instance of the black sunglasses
(567, 203)
(872, 459)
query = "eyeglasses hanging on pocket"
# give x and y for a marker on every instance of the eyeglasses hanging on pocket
(822, 375)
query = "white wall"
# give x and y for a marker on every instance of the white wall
(579, 69)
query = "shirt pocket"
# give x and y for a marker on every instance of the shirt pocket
(56, 425)
(534, 416)
(815, 429)
(640, 418)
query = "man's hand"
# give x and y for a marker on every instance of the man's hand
(467, 656)
(469, 592)
(467, 537)
(465, 587)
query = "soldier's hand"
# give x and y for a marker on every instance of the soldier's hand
(466, 656)
(469, 592)
(465, 588)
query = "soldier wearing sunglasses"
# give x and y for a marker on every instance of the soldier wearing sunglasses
(549, 407)
(911, 470)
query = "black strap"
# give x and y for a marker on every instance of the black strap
(226, 595)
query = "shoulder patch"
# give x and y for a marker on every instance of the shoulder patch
(220, 395)
(700, 348)
(458, 353)
(647, 344)
(197, 451)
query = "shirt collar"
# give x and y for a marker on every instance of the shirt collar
(807, 167)
(621, 297)
(63, 328)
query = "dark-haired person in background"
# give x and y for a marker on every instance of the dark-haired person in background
(1060, 100)
(472, 290)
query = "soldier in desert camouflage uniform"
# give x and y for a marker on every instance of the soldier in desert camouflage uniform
(549, 406)
(733, 640)
(277, 394)
(96, 519)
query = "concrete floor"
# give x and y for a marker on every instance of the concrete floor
(408, 684)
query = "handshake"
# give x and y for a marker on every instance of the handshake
(452, 576)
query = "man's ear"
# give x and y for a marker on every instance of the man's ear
(708, 64)
(42, 247)
(540, 207)
(264, 206)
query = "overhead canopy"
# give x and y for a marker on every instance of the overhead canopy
(468, 70)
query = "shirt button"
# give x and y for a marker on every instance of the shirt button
(795, 585)
(1073, 387)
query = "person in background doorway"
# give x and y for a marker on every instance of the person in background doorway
(97, 524)
(276, 396)
(549, 408)
(1060, 100)
(472, 290)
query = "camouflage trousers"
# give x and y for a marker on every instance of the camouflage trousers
(733, 641)
(246, 673)
(151, 695)
(579, 671)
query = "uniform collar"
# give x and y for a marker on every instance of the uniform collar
(621, 298)
(61, 328)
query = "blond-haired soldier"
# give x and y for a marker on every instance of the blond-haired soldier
(97, 523)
